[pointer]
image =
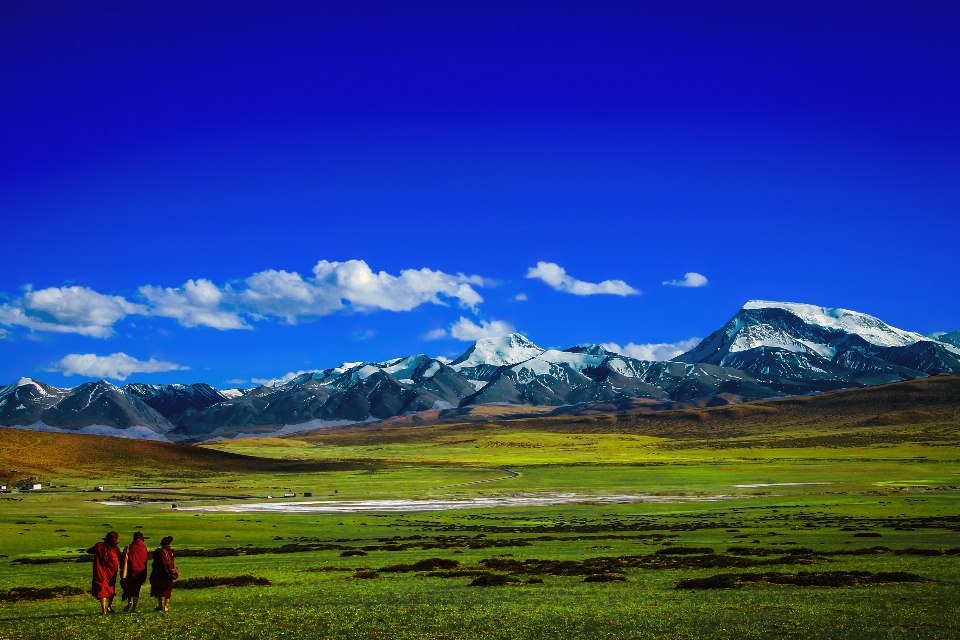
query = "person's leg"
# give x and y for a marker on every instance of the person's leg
(166, 604)
(127, 606)
(110, 605)
(159, 604)
(103, 606)
(133, 602)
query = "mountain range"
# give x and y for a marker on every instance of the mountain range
(767, 349)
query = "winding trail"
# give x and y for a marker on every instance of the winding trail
(510, 475)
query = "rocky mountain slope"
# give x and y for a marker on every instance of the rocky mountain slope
(93, 407)
(768, 349)
(798, 348)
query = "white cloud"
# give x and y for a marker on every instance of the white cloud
(521, 297)
(335, 286)
(691, 279)
(557, 277)
(117, 366)
(355, 282)
(68, 310)
(236, 381)
(466, 330)
(288, 295)
(285, 378)
(198, 303)
(657, 351)
(444, 359)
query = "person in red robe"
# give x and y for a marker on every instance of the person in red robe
(105, 565)
(133, 571)
(162, 574)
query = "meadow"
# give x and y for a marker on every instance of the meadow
(834, 516)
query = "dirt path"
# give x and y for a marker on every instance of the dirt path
(510, 476)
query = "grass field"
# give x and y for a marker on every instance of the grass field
(872, 549)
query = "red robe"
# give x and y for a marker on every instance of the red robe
(105, 565)
(161, 574)
(136, 555)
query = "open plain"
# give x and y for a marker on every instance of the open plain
(832, 515)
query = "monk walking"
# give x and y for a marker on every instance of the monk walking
(133, 571)
(162, 574)
(105, 565)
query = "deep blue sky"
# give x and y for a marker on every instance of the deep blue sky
(806, 152)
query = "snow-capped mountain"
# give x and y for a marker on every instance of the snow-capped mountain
(799, 347)
(175, 401)
(351, 392)
(767, 349)
(481, 361)
(24, 401)
(952, 338)
(590, 373)
(93, 407)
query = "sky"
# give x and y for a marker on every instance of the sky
(228, 192)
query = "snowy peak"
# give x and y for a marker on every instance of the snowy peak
(801, 347)
(871, 329)
(952, 338)
(497, 352)
(590, 349)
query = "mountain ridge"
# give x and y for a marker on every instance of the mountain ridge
(768, 349)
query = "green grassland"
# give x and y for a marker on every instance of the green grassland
(886, 504)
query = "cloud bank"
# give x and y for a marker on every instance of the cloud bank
(691, 279)
(658, 351)
(271, 294)
(468, 331)
(557, 277)
(68, 310)
(116, 366)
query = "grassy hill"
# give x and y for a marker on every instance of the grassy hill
(31, 453)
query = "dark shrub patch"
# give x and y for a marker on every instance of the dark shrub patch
(209, 553)
(20, 594)
(683, 551)
(870, 551)
(535, 581)
(490, 580)
(433, 564)
(397, 568)
(612, 564)
(800, 579)
(918, 552)
(366, 574)
(353, 552)
(428, 564)
(42, 560)
(769, 551)
(605, 577)
(719, 581)
(867, 534)
(206, 582)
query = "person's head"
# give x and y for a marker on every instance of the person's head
(137, 535)
(111, 538)
(167, 541)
